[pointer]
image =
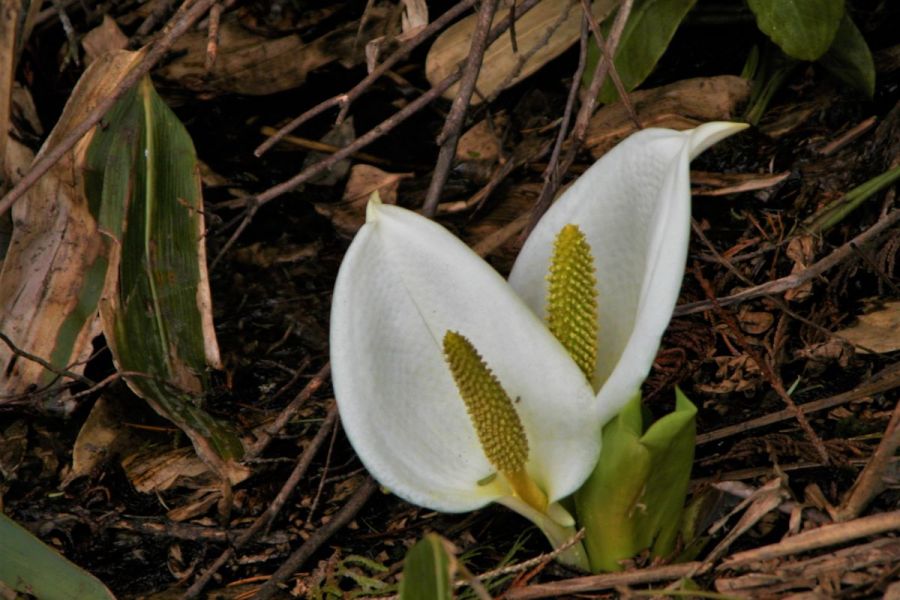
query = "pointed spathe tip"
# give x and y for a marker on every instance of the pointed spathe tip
(704, 136)
(372, 208)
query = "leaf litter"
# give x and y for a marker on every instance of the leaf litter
(117, 488)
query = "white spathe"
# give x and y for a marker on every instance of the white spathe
(405, 281)
(634, 207)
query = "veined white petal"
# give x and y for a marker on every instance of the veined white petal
(404, 282)
(633, 206)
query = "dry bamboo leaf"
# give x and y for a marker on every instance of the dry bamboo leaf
(251, 64)
(681, 105)
(500, 61)
(154, 469)
(53, 272)
(106, 37)
(878, 331)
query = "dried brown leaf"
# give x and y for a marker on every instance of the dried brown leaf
(680, 105)
(878, 331)
(500, 61)
(54, 262)
(251, 64)
(106, 37)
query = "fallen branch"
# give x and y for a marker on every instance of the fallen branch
(319, 537)
(796, 279)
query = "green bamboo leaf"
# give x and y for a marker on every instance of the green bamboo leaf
(143, 187)
(633, 499)
(427, 571)
(651, 26)
(27, 565)
(804, 29)
(849, 58)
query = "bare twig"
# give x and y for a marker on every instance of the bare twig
(610, 52)
(344, 100)
(155, 52)
(886, 379)
(765, 368)
(827, 535)
(319, 537)
(254, 202)
(871, 482)
(552, 174)
(799, 278)
(266, 434)
(449, 136)
(593, 583)
(34, 358)
(212, 39)
(266, 518)
(579, 130)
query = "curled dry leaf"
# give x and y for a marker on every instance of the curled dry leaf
(102, 435)
(680, 105)
(501, 62)
(801, 250)
(755, 322)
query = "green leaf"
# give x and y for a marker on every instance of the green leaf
(143, 187)
(804, 29)
(849, 58)
(27, 565)
(634, 498)
(768, 70)
(428, 571)
(651, 26)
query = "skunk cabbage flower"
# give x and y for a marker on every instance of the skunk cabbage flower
(458, 389)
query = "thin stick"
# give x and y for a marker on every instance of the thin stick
(319, 537)
(827, 535)
(156, 51)
(449, 136)
(796, 279)
(871, 481)
(886, 379)
(360, 88)
(382, 128)
(613, 72)
(254, 202)
(593, 583)
(265, 436)
(579, 130)
(552, 173)
(34, 358)
(766, 369)
(266, 518)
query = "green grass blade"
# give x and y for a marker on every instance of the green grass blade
(427, 571)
